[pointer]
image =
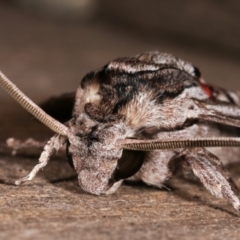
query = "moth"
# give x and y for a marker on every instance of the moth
(142, 118)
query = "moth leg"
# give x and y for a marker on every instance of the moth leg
(220, 167)
(54, 144)
(212, 174)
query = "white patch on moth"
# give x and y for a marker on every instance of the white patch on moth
(222, 97)
(235, 97)
(186, 66)
(130, 68)
(90, 94)
(189, 68)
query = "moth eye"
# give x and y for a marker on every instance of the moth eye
(197, 72)
(128, 164)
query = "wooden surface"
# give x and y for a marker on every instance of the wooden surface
(46, 58)
(54, 207)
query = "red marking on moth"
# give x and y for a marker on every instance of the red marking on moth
(206, 89)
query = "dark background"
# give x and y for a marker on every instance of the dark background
(46, 47)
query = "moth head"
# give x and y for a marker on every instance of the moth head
(94, 148)
(96, 155)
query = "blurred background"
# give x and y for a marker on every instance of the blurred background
(46, 47)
